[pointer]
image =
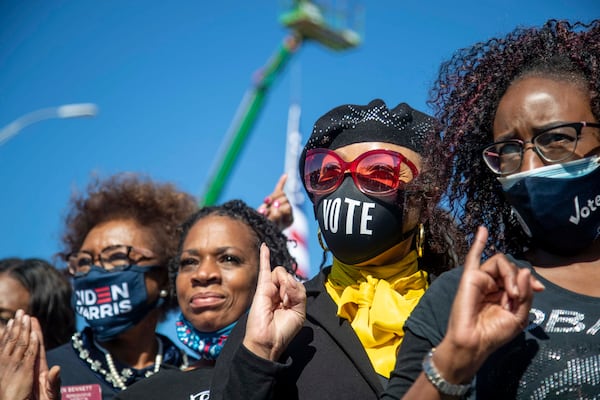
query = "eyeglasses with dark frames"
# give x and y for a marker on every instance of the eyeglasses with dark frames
(112, 258)
(553, 145)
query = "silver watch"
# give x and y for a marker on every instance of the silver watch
(442, 385)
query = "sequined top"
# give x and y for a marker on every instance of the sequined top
(556, 357)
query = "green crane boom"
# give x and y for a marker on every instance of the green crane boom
(307, 21)
(246, 116)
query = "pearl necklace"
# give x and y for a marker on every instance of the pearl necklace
(112, 375)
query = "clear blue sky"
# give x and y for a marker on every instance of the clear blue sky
(168, 77)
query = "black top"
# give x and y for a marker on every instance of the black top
(172, 384)
(325, 360)
(556, 357)
(87, 369)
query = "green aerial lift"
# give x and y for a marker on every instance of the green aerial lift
(333, 25)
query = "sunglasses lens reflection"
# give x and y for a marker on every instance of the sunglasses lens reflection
(376, 172)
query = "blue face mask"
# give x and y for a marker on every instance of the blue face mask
(112, 302)
(558, 206)
(207, 345)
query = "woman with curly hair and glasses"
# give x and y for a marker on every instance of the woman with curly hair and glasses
(520, 121)
(120, 236)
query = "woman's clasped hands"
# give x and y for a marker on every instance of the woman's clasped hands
(23, 362)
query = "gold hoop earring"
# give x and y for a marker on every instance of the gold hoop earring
(420, 240)
(321, 242)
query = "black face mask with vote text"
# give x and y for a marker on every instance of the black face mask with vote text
(357, 227)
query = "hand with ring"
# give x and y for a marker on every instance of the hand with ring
(277, 207)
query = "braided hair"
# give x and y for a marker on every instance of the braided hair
(265, 231)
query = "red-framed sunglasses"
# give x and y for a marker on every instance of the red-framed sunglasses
(376, 172)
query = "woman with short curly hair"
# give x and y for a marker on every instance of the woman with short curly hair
(120, 236)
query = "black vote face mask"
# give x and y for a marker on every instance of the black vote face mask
(357, 227)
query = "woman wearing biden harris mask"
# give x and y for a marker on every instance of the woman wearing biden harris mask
(364, 174)
(521, 121)
(119, 238)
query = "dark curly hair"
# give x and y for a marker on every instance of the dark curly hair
(443, 240)
(465, 97)
(265, 230)
(49, 297)
(158, 206)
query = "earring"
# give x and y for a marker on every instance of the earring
(321, 242)
(163, 293)
(324, 247)
(420, 240)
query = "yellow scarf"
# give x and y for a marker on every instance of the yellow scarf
(377, 301)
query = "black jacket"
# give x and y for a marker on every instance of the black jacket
(326, 360)
(170, 383)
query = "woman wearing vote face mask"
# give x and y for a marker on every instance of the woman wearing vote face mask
(364, 174)
(521, 128)
(118, 241)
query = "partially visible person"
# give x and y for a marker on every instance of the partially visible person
(119, 238)
(521, 135)
(276, 206)
(215, 274)
(373, 199)
(38, 288)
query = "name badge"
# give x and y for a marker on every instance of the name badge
(81, 392)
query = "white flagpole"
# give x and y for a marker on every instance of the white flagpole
(298, 231)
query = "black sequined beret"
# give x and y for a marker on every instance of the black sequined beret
(351, 123)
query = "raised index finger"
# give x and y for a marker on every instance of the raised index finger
(280, 184)
(473, 258)
(264, 270)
